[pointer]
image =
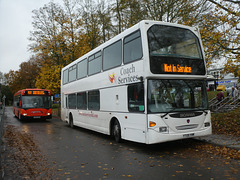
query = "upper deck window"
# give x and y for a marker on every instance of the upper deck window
(82, 69)
(72, 73)
(132, 47)
(174, 47)
(112, 55)
(95, 63)
(65, 76)
(173, 41)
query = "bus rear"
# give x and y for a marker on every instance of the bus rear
(32, 104)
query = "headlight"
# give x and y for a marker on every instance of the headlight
(206, 124)
(163, 129)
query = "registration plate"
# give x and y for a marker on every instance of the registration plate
(36, 117)
(188, 135)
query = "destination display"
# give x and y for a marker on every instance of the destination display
(174, 65)
(36, 92)
(177, 68)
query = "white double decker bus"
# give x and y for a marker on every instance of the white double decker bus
(146, 85)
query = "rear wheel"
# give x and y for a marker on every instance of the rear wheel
(71, 121)
(117, 131)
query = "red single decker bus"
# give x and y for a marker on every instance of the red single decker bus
(32, 104)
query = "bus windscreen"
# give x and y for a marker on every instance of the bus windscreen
(176, 95)
(36, 102)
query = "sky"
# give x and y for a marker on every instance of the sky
(15, 26)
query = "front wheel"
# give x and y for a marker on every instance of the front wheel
(117, 131)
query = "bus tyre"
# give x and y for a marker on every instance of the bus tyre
(20, 117)
(117, 131)
(71, 121)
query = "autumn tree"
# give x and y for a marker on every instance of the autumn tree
(46, 38)
(118, 10)
(50, 78)
(105, 21)
(5, 91)
(228, 40)
(89, 13)
(58, 39)
(64, 33)
(127, 13)
(25, 77)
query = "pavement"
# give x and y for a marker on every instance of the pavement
(216, 139)
(1, 125)
(1, 133)
(222, 140)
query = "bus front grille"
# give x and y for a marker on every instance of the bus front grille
(185, 127)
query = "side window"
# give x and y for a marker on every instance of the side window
(14, 100)
(136, 97)
(95, 63)
(72, 73)
(93, 100)
(112, 55)
(82, 100)
(132, 47)
(82, 69)
(72, 101)
(17, 100)
(65, 76)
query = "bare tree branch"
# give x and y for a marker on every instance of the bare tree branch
(224, 8)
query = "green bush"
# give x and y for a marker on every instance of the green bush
(55, 106)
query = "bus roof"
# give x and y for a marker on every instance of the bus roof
(127, 32)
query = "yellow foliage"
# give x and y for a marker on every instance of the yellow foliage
(50, 78)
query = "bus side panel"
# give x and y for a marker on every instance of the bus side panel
(93, 120)
(114, 99)
(134, 127)
(16, 111)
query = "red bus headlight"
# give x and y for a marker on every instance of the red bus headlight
(23, 112)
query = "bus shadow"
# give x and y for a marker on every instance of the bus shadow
(34, 120)
(165, 147)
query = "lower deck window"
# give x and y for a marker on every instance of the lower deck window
(82, 100)
(94, 100)
(72, 101)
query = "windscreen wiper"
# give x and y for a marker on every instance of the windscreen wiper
(204, 110)
(168, 113)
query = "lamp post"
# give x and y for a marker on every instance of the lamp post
(3, 103)
(0, 91)
(215, 74)
(0, 97)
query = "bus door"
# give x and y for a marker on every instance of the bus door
(64, 110)
(136, 119)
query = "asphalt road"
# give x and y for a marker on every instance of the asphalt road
(82, 154)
